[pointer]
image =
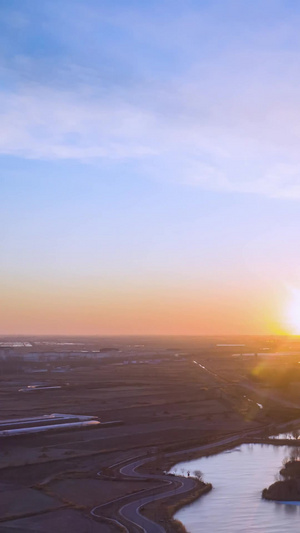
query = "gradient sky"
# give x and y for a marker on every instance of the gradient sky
(150, 166)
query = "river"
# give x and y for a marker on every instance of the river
(235, 504)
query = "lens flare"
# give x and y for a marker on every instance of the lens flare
(292, 312)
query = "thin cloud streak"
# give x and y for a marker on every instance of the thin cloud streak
(237, 144)
(220, 114)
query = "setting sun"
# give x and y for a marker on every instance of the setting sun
(149, 273)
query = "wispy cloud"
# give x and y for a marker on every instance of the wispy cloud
(223, 119)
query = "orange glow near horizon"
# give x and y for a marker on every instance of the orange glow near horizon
(126, 309)
(150, 183)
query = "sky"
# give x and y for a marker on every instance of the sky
(149, 167)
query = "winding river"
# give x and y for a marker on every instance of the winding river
(235, 504)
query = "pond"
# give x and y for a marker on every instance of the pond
(235, 505)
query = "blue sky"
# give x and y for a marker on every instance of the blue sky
(149, 147)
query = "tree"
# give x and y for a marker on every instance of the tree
(198, 474)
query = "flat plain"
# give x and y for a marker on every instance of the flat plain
(168, 396)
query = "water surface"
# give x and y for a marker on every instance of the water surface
(235, 504)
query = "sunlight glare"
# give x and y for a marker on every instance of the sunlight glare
(292, 313)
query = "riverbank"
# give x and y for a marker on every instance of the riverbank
(164, 511)
(168, 512)
(287, 489)
(283, 491)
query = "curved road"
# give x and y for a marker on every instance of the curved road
(131, 511)
(130, 518)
